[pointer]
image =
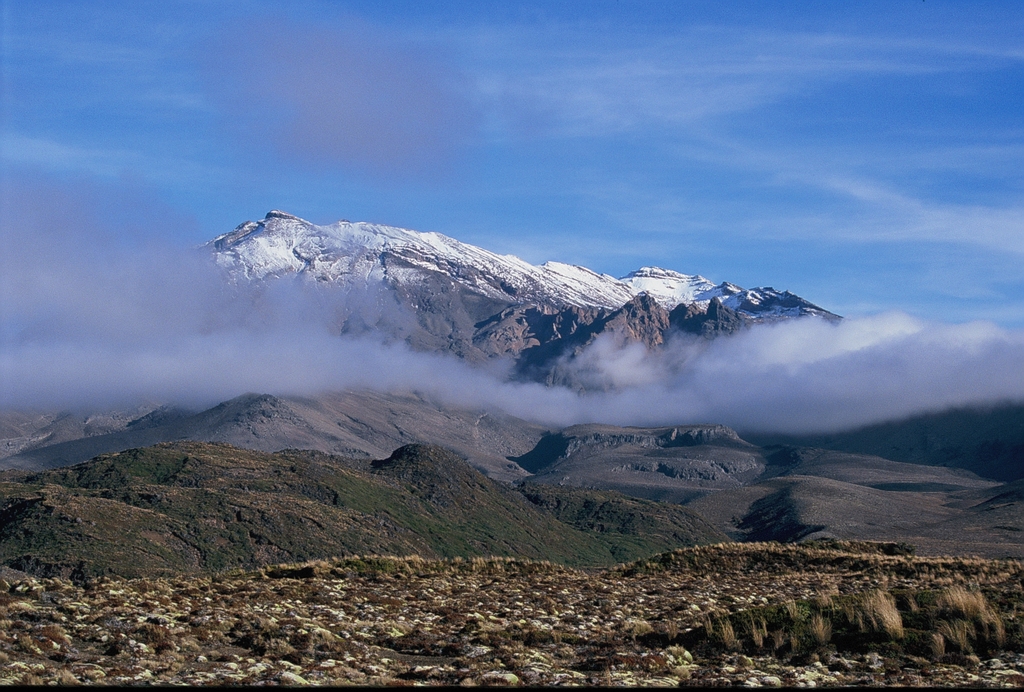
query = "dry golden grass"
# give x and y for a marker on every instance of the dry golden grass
(880, 610)
(959, 633)
(637, 628)
(972, 617)
(969, 604)
(823, 601)
(65, 678)
(821, 630)
(727, 635)
(758, 631)
(387, 621)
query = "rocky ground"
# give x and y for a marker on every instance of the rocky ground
(819, 615)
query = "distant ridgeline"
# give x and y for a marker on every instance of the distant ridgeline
(948, 483)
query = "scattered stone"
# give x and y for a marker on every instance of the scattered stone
(289, 678)
(494, 622)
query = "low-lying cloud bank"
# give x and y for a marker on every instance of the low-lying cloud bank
(89, 323)
(809, 375)
(791, 377)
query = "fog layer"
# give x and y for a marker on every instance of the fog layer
(91, 321)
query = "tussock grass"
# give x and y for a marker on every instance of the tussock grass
(971, 619)
(959, 633)
(945, 625)
(758, 631)
(821, 630)
(727, 635)
(971, 605)
(880, 611)
(65, 678)
(386, 566)
(903, 606)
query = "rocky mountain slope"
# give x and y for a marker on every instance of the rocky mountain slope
(22, 431)
(348, 253)
(439, 294)
(674, 464)
(360, 424)
(811, 493)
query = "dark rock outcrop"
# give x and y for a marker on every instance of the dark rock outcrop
(709, 323)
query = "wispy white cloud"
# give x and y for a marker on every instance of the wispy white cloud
(682, 92)
(695, 75)
(30, 153)
(51, 155)
(667, 145)
(894, 216)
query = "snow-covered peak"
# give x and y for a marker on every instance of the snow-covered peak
(348, 253)
(671, 288)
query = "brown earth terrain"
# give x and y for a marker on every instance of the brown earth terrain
(947, 484)
(362, 424)
(817, 614)
(815, 493)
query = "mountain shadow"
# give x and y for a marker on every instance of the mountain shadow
(987, 441)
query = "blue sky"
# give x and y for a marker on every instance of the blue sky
(867, 156)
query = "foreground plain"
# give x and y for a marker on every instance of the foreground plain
(821, 613)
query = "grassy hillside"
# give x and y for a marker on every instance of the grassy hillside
(200, 507)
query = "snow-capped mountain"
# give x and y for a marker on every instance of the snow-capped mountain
(439, 294)
(346, 253)
(671, 288)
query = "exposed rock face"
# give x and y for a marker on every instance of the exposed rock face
(713, 321)
(525, 328)
(580, 437)
(641, 320)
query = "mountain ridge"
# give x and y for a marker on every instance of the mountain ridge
(442, 295)
(282, 243)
